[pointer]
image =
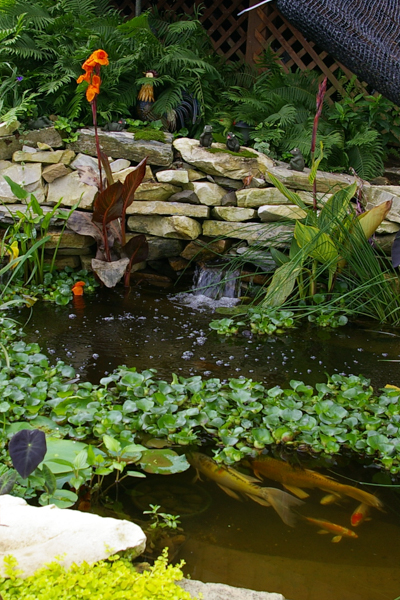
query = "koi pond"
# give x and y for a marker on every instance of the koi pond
(244, 544)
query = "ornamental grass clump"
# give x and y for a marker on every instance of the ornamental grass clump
(103, 580)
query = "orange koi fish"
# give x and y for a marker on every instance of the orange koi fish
(360, 514)
(295, 478)
(232, 482)
(328, 527)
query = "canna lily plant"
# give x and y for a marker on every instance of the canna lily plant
(115, 256)
(322, 243)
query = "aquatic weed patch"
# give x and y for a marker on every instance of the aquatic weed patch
(240, 416)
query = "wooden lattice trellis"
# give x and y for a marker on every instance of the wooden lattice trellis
(244, 38)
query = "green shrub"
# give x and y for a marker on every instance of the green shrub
(104, 580)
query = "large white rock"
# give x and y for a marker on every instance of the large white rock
(36, 536)
(28, 176)
(71, 189)
(233, 213)
(222, 163)
(256, 197)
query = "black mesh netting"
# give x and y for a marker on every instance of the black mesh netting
(362, 34)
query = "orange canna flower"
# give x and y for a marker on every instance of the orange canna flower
(77, 288)
(94, 62)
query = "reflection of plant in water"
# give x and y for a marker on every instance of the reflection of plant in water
(163, 530)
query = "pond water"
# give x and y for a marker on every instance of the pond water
(242, 543)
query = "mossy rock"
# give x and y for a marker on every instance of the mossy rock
(242, 154)
(148, 134)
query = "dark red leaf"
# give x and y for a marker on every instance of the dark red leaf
(108, 205)
(132, 182)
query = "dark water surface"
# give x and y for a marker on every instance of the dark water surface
(242, 543)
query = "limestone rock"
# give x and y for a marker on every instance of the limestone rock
(259, 258)
(52, 172)
(72, 261)
(8, 145)
(149, 175)
(36, 536)
(4, 164)
(258, 182)
(177, 263)
(161, 247)
(388, 227)
(8, 214)
(208, 193)
(183, 228)
(110, 273)
(298, 180)
(49, 136)
(205, 248)
(121, 144)
(30, 149)
(221, 163)
(155, 191)
(385, 242)
(39, 157)
(71, 189)
(255, 197)
(6, 130)
(174, 176)
(307, 197)
(375, 195)
(226, 182)
(275, 212)
(168, 208)
(232, 213)
(68, 239)
(220, 591)
(119, 165)
(229, 199)
(185, 196)
(263, 234)
(67, 157)
(28, 176)
(83, 160)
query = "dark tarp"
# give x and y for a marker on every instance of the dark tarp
(364, 35)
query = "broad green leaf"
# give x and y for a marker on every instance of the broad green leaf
(292, 196)
(163, 462)
(335, 208)
(317, 244)
(282, 284)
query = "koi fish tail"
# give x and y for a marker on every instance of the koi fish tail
(283, 503)
(362, 496)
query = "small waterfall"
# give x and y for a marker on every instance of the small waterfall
(216, 283)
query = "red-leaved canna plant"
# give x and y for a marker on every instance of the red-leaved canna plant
(92, 67)
(314, 164)
(106, 225)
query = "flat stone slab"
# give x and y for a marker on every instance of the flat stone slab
(272, 213)
(264, 234)
(46, 157)
(122, 144)
(48, 135)
(68, 240)
(36, 536)
(256, 197)
(174, 176)
(208, 193)
(149, 190)
(168, 208)
(232, 213)
(298, 180)
(222, 163)
(161, 247)
(220, 591)
(178, 227)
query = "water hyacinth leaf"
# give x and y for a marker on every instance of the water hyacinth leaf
(7, 482)
(64, 452)
(262, 436)
(63, 498)
(27, 449)
(163, 462)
